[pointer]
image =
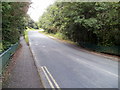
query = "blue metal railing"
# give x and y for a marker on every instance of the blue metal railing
(6, 55)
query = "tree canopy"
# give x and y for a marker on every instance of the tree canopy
(14, 19)
(92, 22)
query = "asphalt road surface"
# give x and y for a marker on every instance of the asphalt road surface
(72, 68)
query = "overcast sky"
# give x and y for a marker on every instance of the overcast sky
(38, 7)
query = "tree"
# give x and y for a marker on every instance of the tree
(13, 21)
(91, 22)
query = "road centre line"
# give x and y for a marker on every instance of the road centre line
(98, 68)
(93, 66)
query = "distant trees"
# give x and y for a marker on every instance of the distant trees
(92, 22)
(14, 19)
(32, 24)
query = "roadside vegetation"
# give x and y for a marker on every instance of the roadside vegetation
(26, 36)
(30, 25)
(90, 24)
(14, 19)
(58, 37)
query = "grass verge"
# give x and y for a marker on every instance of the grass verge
(26, 36)
(59, 37)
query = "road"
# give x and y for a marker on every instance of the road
(72, 68)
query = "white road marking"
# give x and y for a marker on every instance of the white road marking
(48, 78)
(94, 67)
(97, 67)
(52, 78)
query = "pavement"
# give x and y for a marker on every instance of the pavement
(24, 73)
(63, 66)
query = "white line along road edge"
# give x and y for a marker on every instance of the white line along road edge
(47, 75)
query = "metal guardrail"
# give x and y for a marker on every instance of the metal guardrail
(105, 49)
(6, 55)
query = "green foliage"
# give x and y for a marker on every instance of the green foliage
(31, 24)
(13, 21)
(92, 22)
(26, 36)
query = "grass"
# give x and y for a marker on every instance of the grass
(107, 50)
(26, 36)
(58, 36)
(47, 34)
(1, 47)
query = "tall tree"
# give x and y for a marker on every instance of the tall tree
(93, 22)
(13, 21)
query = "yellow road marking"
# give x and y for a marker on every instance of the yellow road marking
(52, 78)
(48, 78)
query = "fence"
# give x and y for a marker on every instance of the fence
(6, 55)
(105, 49)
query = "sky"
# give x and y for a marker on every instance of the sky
(38, 7)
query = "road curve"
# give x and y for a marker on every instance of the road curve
(72, 68)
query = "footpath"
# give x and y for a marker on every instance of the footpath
(24, 72)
